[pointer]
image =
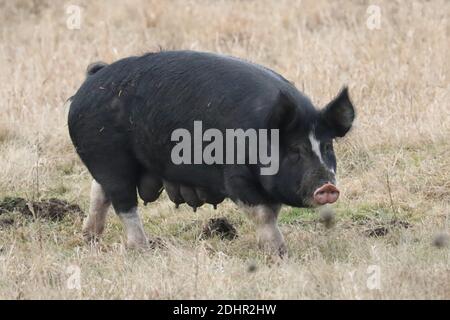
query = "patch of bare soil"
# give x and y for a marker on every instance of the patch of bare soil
(6, 221)
(220, 227)
(381, 229)
(51, 209)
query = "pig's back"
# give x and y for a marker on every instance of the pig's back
(137, 102)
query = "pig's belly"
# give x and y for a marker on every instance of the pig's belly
(194, 185)
(200, 175)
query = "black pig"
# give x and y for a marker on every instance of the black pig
(122, 119)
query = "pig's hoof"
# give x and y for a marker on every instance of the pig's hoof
(91, 237)
(275, 249)
(282, 251)
(92, 231)
(157, 243)
(146, 244)
(137, 244)
(271, 241)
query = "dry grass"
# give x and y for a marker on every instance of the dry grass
(399, 81)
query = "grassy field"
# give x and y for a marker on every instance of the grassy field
(393, 168)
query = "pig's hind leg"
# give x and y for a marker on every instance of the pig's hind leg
(94, 223)
(118, 175)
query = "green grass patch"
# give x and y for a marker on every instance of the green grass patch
(292, 215)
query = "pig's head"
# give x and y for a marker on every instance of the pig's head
(307, 163)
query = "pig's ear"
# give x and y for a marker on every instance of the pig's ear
(284, 114)
(339, 114)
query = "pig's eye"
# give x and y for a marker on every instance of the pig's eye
(294, 153)
(327, 147)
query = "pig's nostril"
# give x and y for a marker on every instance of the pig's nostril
(327, 193)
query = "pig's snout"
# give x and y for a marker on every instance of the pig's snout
(328, 193)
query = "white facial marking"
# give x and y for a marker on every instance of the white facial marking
(315, 145)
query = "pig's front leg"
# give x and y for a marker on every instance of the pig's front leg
(268, 234)
(244, 191)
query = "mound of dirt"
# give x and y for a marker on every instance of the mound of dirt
(441, 240)
(220, 227)
(51, 209)
(381, 230)
(6, 221)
